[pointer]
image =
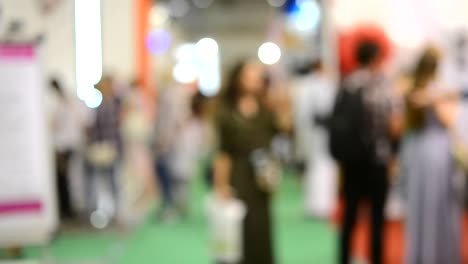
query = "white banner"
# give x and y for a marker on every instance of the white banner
(27, 196)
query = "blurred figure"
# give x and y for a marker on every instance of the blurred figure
(67, 139)
(429, 168)
(244, 124)
(172, 113)
(360, 140)
(314, 96)
(193, 144)
(104, 149)
(137, 176)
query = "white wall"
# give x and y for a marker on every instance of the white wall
(410, 23)
(118, 32)
(58, 28)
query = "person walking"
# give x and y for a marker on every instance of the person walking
(245, 124)
(104, 148)
(313, 98)
(68, 136)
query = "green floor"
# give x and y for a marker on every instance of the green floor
(298, 240)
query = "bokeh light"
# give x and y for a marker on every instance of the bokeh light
(88, 46)
(209, 76)
(93, 98)
(158, 41)
(307, 16)
(99, 219)
(159, 15)
(185, 73)
(269, 53)
(185, 52)
(207, 47)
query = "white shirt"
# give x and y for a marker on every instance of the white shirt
(313, 96)
(67, 129)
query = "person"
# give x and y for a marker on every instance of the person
(314, 96)
(192, 145)
(173, 110)
(244, 124)
(104, 147)
(67, 139)
(137, 172)
(365, 171)
(429, 170)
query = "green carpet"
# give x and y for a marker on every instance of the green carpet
(298, 240)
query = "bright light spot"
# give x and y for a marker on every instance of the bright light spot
(202, 3)
(82, 91)
(99, 219)
(307, 16)
(93, 98)
(185, 52)
(88, 46)
(158, 41)
(207, 47)
(276, 3)
(269, 53)
(210, 82)
(159, 16)
(185, 73)
(179, 8)
(199, 62)
(209, 75)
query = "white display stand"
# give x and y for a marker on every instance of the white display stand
(28, 214)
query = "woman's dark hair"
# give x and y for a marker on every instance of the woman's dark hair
(367, 52)
(426, 68)
(231, 90)
(423, 73)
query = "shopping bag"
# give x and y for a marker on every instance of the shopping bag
(225, 219)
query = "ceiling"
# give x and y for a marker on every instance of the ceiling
(239, 26)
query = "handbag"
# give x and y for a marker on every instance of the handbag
(267, 169)
(102, 154)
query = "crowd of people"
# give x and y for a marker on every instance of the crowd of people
(122, 153)
(377, 125)
(365, 131)
(377, 130)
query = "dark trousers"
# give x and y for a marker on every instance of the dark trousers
(164, 178)
(62, 161)
(361, 183)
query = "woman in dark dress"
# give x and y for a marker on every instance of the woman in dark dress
(244, 123)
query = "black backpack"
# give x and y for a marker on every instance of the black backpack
(348, 127)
